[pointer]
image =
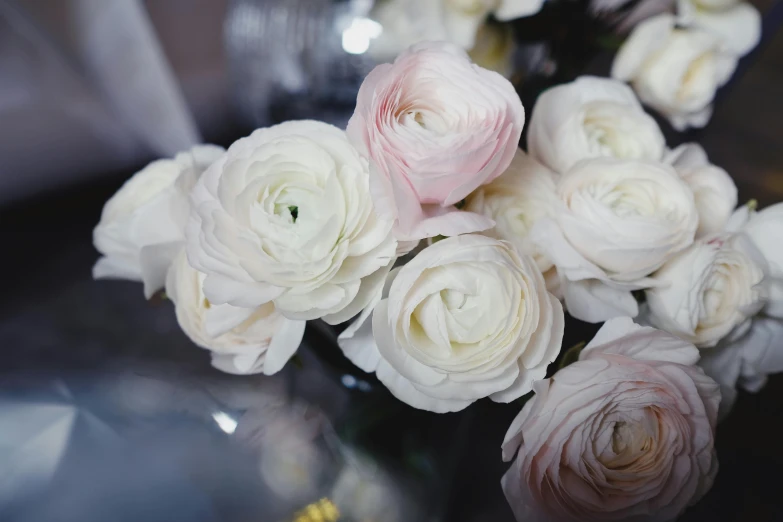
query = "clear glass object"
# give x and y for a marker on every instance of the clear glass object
(296, 59)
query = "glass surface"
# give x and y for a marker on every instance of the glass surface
(295, 59)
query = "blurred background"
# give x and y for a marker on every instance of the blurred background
(91, 89)
(107, 411)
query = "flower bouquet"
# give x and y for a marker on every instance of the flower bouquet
(456, 262)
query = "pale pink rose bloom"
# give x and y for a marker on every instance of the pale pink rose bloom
(625, 433)
(434, 127)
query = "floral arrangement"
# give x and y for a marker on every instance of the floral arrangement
(455, 259)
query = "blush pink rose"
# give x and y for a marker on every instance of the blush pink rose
(434, 127)
(625, 433)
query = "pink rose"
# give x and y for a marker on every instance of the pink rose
(625, 433)
(435, 127)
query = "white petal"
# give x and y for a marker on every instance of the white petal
(446, 222)
(405, 391)
(113, 267)
(646, 38)
(687, 156)
(738, 27)
(283, 345)
(357, 341)
(738, 219)
(244, 364)
(522, 385)
(395, 355)
(371, 287)
(517, 495)
(570, 264)
(623, 337)
(220, 290)
(527, 376)
(358, 344)
(326, 299)
(155, 261)
(222, 318)
(723, 365)
(594, 301)
(513, 9)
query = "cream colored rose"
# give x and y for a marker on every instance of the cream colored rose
(142, 226)
(713, 189)
(620, 221)
(737, 24)
(286, 216)
(242, 340)
(709, 290)
(516, 200)
(625, 433)
(467, 318)
(591, 117)
(674, 70)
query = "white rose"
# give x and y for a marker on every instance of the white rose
(589, 118)
(713, 189)
(737, 24)
(620, 221)
(516, 200)
(765, 229)
(745, 361)
(467, 318)
(242, 340)
(674, 70)
(709, 289)
(286, 216)
(142, 226)
(408, 22)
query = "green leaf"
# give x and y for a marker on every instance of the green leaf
(294, 210)
(610, 42)
(571, 355)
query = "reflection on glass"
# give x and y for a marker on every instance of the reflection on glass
(358, 36)
(225, 422)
